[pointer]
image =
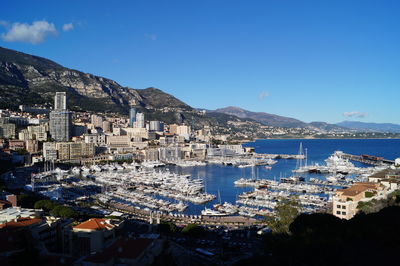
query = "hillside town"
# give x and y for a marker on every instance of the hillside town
(77, 186)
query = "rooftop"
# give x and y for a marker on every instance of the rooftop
(22, 222)
(358, 188)
(95, 224)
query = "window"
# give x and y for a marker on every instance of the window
(338, 212)
(343, 213)
(343, 206)
(338, 206)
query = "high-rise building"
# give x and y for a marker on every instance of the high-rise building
(61, 125)
(139, 120)
(60, 101)
(132, 117)
(60, 119)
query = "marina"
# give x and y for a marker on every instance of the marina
(199, 189)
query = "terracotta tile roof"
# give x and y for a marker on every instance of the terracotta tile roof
(22, 222)
(94, 224)
(358, 188)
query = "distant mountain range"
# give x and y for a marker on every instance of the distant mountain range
(371, 127)
(28, 79)
(264, 118)
(277, 120)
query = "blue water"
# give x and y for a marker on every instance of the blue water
(221, 178)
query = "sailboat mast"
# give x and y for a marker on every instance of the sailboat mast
(306, 158)
(299, 162)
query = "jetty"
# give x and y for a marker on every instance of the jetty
(182, 219)
(367, 159)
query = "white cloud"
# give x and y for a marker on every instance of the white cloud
(355, 114)
(34, 33)
(151, 36)
(68, 27)
(263, 95)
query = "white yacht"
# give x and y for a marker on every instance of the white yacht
(210, 212)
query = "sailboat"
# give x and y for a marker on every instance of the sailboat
(300, 168)
(301, 157)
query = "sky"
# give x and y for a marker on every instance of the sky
(312, 60)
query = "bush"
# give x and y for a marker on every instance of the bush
(369, 194)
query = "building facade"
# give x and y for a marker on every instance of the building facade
(132, 117)
(60, 101)
(61, 125)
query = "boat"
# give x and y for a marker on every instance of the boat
(76, 170)
(210, 212)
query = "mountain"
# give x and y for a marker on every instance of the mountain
(371, 127)
(277, 120)
(264, 118)
(28, 79)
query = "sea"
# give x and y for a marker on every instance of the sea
(218, 179)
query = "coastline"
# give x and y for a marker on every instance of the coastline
(247, 141)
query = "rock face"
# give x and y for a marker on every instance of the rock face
(27, 79)
(264, 118)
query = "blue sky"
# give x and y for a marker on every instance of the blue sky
(312, 60)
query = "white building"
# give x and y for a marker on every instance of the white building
(139, 123)
(14, 213)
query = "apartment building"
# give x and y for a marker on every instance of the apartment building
(346, 200)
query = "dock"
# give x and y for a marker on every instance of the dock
(368, 159)
(153, 217)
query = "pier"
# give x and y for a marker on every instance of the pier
(367, 159)
(181, 219)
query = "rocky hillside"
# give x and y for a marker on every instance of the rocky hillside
(277, 120)
(28, 79)
(264, 118)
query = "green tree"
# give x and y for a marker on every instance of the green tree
(286, 212)
(56, 210)
(67, 212)
(64, 212)
(44, 204)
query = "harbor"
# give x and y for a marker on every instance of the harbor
(185, 191)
